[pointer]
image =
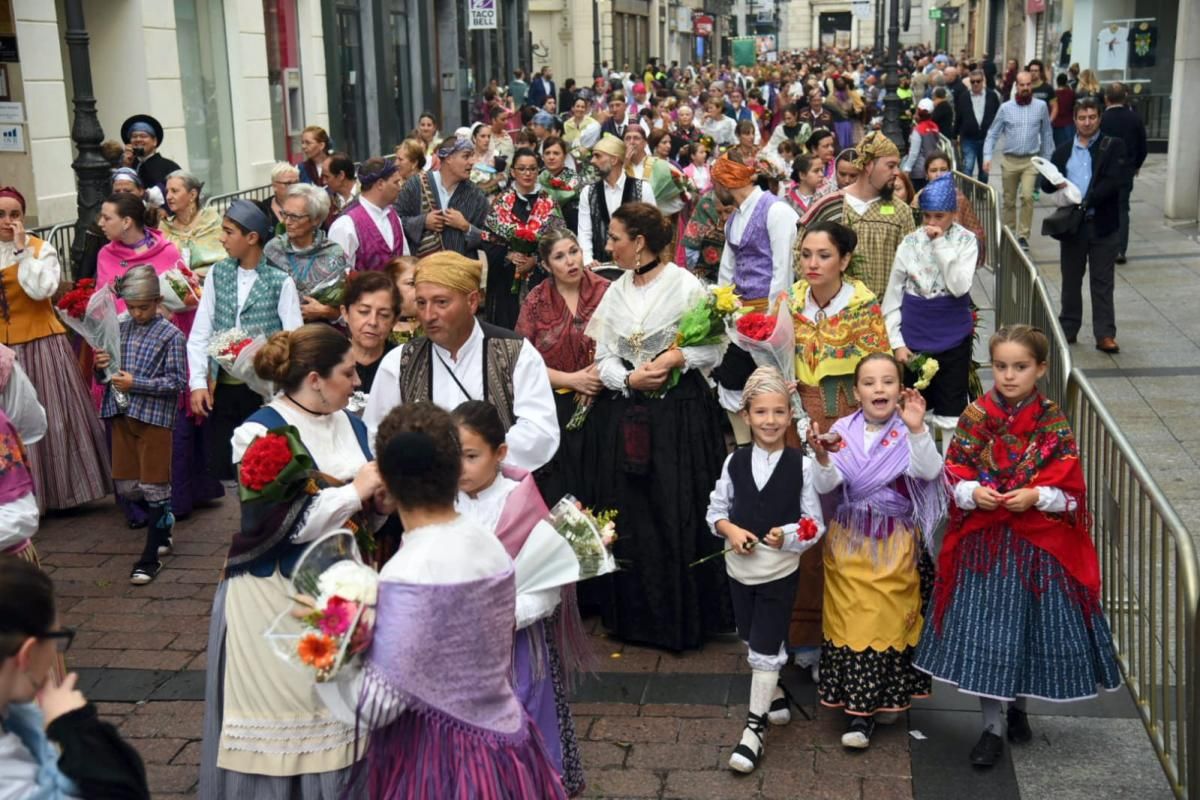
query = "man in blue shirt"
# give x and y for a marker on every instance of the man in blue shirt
(1096, 164)
(1024, 123)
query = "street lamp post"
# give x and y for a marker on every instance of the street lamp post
(891, 100)
(91, 168)
(596, 72)
(879, 18)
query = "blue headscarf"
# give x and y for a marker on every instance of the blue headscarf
(543, 118)
(940, 195)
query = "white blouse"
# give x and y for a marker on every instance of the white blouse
(38, 276)
(929, 268)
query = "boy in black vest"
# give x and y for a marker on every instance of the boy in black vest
(767, 509)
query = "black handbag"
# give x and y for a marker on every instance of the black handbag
(1064, 222)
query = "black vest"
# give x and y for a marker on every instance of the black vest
(777, 503)
(631, 193)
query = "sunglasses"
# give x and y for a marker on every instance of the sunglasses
(62, 638)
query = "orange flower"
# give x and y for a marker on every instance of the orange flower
(317, 650)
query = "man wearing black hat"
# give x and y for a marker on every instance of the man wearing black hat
(142, 135)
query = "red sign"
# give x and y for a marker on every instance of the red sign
(1035, 6)
(702, 25)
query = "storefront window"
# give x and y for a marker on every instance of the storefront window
(207, 107)
(283, 75)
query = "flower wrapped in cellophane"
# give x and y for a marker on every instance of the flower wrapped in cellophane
(234, 352)
(92, 314)
(180, 288)
(590, 535)
(770, 340)
(335, 595)
(703, 324)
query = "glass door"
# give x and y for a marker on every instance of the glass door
(348, 38)
(400, 89)
(207, 105)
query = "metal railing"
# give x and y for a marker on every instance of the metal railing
(60, 237)
(1149, 578)
(987, 208)
(1150, 575)
(222, 201)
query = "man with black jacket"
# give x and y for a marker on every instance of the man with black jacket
(973, 112)
(1096, 164)
(1122, 122)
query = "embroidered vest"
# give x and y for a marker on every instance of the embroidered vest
(260, 314)
(23, 319)
(600, 217)
(501, 348)
(777, 503)
(753, 265)
(373, 252)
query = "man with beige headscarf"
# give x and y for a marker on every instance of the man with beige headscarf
(599, 200)
(460, 358)
(867, 207)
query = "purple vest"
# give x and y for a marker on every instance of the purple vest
(373, 252)
(752, 265)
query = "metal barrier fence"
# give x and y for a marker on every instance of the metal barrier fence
(1150, 582)
(222, 201)
(60, 237)
(987, 208)
(1150, 575)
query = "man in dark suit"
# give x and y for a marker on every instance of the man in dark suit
(943, 111)
(618, 116)
(541, 88)
(974, 111)
(1096, 164)
(1122, 122)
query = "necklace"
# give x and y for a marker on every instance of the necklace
(304, 407)
(642, 270)
(820, 315)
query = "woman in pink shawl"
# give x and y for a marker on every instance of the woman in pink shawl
(132, 244)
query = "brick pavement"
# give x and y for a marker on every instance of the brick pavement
(653, 724)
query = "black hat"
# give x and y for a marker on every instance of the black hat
(146, 119)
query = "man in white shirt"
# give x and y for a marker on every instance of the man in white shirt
(757, 262)
(370, 231)
(609, 158)
(460, 359)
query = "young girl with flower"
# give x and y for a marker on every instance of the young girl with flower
(927, 304)
(1016, 607)
(886, 466)
(765, 507)
(153, 373)
(507, 502)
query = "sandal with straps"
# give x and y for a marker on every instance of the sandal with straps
(744, 759)
(780, 711)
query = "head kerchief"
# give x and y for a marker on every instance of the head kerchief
(9, 191)
(369, 179)
(610, 145)
(449, 269)
(875, 145)
(732, 175)
(126, 174)
(456, 144)
(940, 195)
(251, 217)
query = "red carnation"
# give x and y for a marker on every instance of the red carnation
(235, 349)
(711, 255)
(808, 530)
(756, 325)
(526, 234)
(558, 183)
(263, 460)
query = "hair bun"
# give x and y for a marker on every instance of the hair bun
(272, 361)
(409, 453)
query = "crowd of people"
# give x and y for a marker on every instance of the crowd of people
(452, 338)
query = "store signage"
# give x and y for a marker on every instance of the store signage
(935, 13)
(703, 25)
(12, 139)
(481, 15)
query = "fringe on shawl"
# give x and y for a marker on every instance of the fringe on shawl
(426, 753)
(867, 523)
(567, 633)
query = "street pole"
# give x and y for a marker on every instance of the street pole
(891, 100)
(879, 19)
(596, 73)
(91, 168)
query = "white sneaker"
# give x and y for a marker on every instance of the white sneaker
(858, 735)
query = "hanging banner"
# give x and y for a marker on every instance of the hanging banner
(703, 25)
(862, 9)
(745, 51)
(481, 15)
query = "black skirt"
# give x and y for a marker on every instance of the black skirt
(572, 470)
(947, 394)
(661, 495)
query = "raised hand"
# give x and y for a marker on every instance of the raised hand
(912, 410)
(820, 453)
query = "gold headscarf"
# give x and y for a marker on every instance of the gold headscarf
(449, 269)
(875, 145)
(732, 175)
(610, 145)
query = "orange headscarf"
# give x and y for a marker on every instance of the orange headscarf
(732, 175)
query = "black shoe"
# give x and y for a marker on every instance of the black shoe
(1019, 731)
(858, 733)
(145, 572)
(1023, 242)
(987, 750)
(1121, 258)
(1072, 338)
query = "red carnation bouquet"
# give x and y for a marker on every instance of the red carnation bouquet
(234, 352)
(770, 340)
(92, 314)
(523, 240)
(180, 288)
(272, 466)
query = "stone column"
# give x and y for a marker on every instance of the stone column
(1183, 157)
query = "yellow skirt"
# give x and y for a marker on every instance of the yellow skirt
(872, 590)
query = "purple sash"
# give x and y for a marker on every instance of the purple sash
(935, 325)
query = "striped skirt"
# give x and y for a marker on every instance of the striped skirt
(70, 464)
(1002, 641)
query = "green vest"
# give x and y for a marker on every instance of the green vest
(260, 314)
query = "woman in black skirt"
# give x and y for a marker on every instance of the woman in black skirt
(662, 443)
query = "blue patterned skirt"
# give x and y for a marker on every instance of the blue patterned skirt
(998, 639)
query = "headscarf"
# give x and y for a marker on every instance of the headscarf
(11, 191)
(543, 118)
(126, 174)
(143, 127)
(732, 175)
(368, 179)
(251, 217)
(939, 195)
(875, 145)
(456, 144)
(610, 145)
(449, 269)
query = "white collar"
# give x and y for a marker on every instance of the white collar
(474, 340)
(496, 493)
(747, 206)
(768, 455)
(372, 209)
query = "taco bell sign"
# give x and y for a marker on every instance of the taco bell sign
(481, 15)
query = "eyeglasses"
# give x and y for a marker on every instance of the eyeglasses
(976, 80)
(290, 217)
(525, 169)
(62, 638)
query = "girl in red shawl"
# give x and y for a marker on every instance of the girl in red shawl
(553, 318)
(1016, 606)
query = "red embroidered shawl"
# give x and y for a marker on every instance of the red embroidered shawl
(546, 321)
